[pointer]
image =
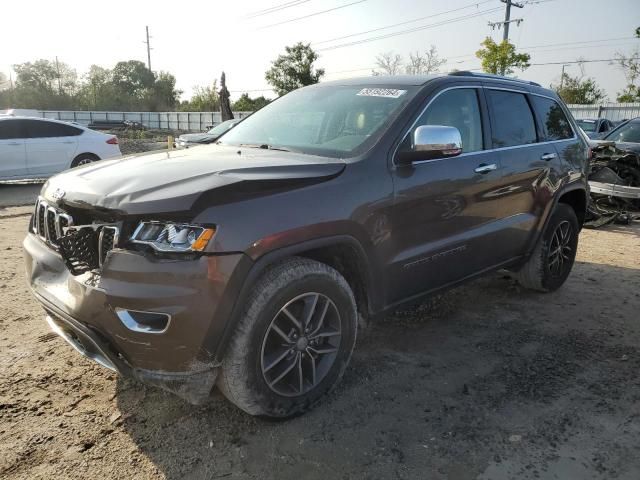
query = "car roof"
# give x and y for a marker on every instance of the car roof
(419, 80)
(23, 117)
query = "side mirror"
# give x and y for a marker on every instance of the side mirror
(431, 142)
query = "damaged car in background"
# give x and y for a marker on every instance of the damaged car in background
(614, 177)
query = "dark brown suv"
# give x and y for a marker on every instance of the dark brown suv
(248, 264)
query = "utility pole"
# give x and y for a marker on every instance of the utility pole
(507, 18)
(59, 82)
(562, 75)
(148, 49)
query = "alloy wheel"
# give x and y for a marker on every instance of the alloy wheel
(560, 249)
(301, 344)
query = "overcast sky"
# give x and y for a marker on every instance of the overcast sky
(195, 40)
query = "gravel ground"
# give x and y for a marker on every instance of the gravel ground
(486, 382)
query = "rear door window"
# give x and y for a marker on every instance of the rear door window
(44, 129)
(11, 129)
(555, 124)
(512, 120)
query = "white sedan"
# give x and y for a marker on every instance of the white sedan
(38, 148)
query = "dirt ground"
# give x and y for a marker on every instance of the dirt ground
(488, 382)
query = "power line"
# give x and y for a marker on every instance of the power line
(311, 15)
(523, 48)
(401, 23)
(276, 8)
(476, 68)
(410, 30)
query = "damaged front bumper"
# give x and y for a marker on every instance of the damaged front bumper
(86, 310)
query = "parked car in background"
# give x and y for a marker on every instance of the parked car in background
(595, 128)
(249, 263)
(39, 148)
(190, 139)
(626, 135)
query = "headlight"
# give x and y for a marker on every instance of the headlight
(173, 237)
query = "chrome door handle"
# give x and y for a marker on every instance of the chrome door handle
(14, 143)
(548, 156)
(68, 143)
(484, 168)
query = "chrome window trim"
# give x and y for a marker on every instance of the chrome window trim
(487, 150)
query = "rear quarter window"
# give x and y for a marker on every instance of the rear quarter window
(555, 124)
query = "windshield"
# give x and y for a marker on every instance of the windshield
(629, 133)
(587, 125)
(332, 121)
(222, 127)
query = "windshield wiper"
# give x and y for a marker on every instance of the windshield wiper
(264, 146)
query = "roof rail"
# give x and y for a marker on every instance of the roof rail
(467, 73)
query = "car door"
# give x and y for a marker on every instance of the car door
(50, 146)
(530, 168)
(444, 216)
(13, 158)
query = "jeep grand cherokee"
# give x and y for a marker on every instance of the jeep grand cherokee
(247, 264)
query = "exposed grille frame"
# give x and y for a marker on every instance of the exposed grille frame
(41, 223)
(52, 225)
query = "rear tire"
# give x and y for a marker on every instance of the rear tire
(84, 159)
(293, 342)
(554, 255)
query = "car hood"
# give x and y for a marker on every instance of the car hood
(175, 181)
(197, 137)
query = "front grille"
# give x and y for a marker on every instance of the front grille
(49, 222)
(79, 250)
(82, 247)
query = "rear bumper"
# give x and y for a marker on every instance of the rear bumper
(614, 190)
(84, 310)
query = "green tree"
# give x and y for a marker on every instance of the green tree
(501, 58)
(4, 82)
(44, 84)
(578, 90)
(247, 104)
(630, 66)
(133, 78)
(294, 69)
(204, 99)
(163, 94)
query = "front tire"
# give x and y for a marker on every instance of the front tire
(552, 259)
(293, 342)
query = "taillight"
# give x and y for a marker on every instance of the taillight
(113, 141)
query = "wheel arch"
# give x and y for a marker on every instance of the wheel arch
(576, 198)
(343, 253)
(83, 155)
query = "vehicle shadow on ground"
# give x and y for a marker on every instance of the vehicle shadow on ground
(485, 380)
